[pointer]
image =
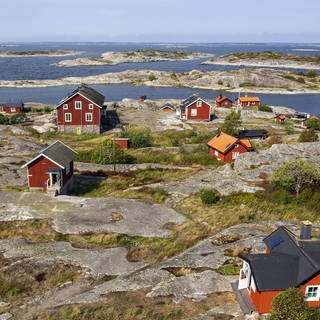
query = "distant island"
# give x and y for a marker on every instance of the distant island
(260, 80)
(34, 53)
(144, 55)
(267, 59)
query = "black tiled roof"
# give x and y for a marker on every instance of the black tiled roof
(59, 153)
(87, 92)
(290, 263)
(17, 104)
(252, 133)
(188, 101)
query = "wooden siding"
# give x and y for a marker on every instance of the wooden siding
(78, 115)
(203, 112)
(227, 157)
(263, 300)
(227, 103)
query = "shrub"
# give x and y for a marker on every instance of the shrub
(208, 196)
(265, 108)
(139, 137)
(281, 196)
(308, 135)
(313, 123)
(311, 73)
(220, 82)
(152, 77)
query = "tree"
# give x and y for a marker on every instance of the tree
(264, 107)
(232, 123)
(139, 136)
(296, 175)
(308, 135)
(313, 123)
(108, 153)
(289, 305)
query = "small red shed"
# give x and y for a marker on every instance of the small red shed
(280, 118)
(248, 101)
(168, 107)
(226, 148)
(194, 108)
(223, 102)
(288, 263)
(122, 142)
(52, 169)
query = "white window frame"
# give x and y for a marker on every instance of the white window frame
(194, 112)
(235, 155)
(236, 145)
(317, 292)
(65, 106)
(89, 117)
(78, 105)
(12, 109)
(68, 117)
(90, 106)
(216, 153)
(199, 103)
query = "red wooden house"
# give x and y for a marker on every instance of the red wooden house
(280, 118)
(288, 263)
(194, 108)
(12, 107)
(223, 102)
(52, 169)
(81, 111)
(226, 148)
(248, 101)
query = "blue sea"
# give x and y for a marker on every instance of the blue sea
(18, 68)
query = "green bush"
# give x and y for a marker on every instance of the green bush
(281, 196)
(139, 136)
(313, 123)
(208, 196)
(312, 73)
(265, 108)
(152, 77)
(308, 135)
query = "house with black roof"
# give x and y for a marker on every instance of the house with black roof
(52, 169)
(253, 134)
(12, 107)
(288, 263)
(194, 108)
(81, 111)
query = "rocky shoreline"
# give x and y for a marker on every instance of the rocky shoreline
(38, 53)
(260, 80)
(147, 55)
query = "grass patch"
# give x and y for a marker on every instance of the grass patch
(228, 270)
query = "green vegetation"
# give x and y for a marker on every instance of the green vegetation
(291, 305)
(15, 119)
(139, 136)
(265, 108)
(246, 84)
(228, 270)
(208, 196)
(152, 77)
(296, 175)
(308, 135)
(232, 123)
(313, 123)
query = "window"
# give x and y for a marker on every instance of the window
(88, 117)
(65, 106)
(78, 104)
(235, 155)
(236, 146)
(312, 293)
(199, 103)
(193, 112)
(13, 109)
(216, 153)
(67, 117)
(91, 106)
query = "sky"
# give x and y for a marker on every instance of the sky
(160, 20)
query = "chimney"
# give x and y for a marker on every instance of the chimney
(219, 132)
(306, 228)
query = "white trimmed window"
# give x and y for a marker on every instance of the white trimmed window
(88, 117)
(216, 153)
(235, 155)
(67, 117)
(78, 105)
(193, 112)
(199, 103)
(65, 106)
(312, 293)
(90, 106)
(13, 109)
(236, 146)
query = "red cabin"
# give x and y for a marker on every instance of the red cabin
(12, 107)
(288, 263)
(248, 101)
(223, 102)
(52, 169)
(194, 108)
(226, 148)
(168, 107)
(280, 118)
(81, 111)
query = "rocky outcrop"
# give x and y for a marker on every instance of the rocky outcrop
(249, 80)
(146, 55)
(38, 53)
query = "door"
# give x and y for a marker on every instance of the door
(78, 130)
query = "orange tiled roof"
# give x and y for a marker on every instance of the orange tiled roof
(246, 142)
(222, 142)
(249, 99)
(220, 99)
(282, 116)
